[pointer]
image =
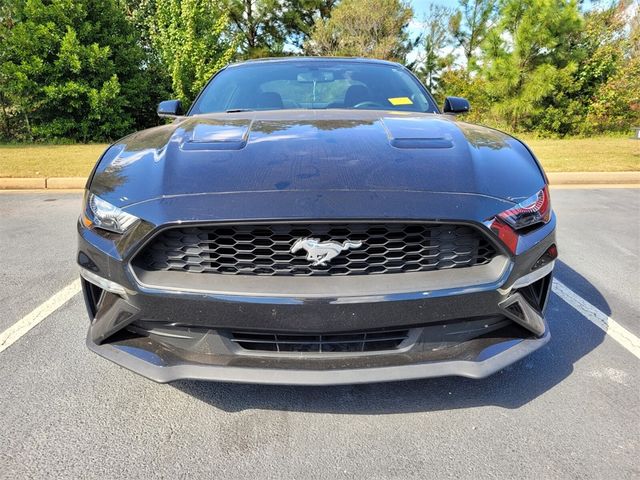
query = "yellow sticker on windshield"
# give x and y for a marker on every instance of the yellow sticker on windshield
(400, 101)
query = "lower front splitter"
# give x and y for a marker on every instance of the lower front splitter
(146, 362)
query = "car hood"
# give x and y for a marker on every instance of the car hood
(316, 152)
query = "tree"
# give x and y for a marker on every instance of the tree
(6, 24)
(597, 50)
(266, 27)
(434, 39)
(364, 28)
(258, 24)
(470, 25)
(615, 101)
(71, 69)
(300, 17)
(193, 42)
(527, 58)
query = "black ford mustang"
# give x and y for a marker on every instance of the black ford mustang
(316, 221)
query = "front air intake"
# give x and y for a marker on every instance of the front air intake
(266, 249)
(327, 343)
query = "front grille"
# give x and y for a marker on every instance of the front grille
(265, 249)
(342, 342)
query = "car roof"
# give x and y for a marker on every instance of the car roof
(297, 59)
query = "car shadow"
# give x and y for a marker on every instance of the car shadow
(572, 337)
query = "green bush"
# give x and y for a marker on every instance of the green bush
(73, 70)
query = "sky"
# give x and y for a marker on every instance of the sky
(421, 6)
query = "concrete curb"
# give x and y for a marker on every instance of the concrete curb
(593, 178)
(555, 178)
(53, 183)
(22, 183)
(66, 182)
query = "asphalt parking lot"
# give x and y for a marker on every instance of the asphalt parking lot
(570, 410)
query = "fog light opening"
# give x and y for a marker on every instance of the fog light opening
(537, 293)
(518, 309)
(547, 257)
(93, 295)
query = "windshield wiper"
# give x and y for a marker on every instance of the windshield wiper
(236, 110)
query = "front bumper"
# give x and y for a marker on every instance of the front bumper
(144, 362)
(464, 326)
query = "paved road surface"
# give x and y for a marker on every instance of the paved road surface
(570, 410)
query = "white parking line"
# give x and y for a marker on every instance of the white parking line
(592, 313)
(26, 323)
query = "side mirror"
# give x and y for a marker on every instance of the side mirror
(456, 105)
(170, 109)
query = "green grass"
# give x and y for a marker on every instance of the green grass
(598, 154)
(601, 154)
(48, 160)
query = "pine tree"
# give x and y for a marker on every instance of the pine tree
(364, 28)
(527, 58)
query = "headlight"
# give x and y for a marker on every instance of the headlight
(521, 219)
(102, 214)
(535, 209)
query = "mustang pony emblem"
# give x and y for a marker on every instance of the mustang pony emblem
(322, 252)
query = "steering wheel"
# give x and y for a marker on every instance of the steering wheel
(368, 104)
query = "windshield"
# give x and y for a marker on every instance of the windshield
(313, 85)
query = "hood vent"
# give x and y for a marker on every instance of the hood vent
(421, 143)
